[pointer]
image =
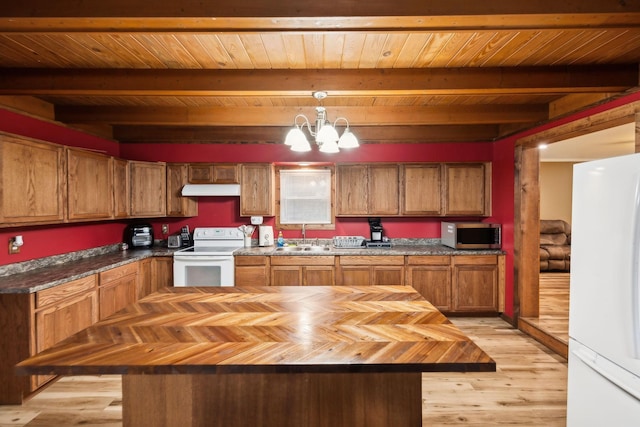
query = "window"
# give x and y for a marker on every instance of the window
(305, 197)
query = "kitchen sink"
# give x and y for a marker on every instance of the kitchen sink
(303, 249)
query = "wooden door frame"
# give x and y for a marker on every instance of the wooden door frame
(527, 198)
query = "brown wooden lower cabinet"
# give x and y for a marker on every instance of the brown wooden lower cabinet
(117, 288)
(302, 271)
(34, 322)
(431, 277)
(460, 283)
(475, 283)
(370, 270)
(252, 270)
(161, 272)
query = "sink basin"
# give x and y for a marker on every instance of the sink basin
(303, 249)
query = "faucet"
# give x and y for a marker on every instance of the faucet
(304, 235)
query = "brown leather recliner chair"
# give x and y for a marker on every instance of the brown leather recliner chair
(555, 245)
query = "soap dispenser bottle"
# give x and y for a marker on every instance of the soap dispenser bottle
(280, 239)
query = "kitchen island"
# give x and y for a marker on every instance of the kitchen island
(269, 356)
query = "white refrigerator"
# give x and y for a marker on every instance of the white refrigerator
(604, 313)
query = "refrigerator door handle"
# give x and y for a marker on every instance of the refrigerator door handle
(635, 273)
(610, 371)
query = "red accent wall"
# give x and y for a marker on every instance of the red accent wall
(42, 241)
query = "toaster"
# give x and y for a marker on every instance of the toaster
(174, 241)
(139, 236)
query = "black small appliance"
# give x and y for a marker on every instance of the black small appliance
(376, 229)
(139, 236)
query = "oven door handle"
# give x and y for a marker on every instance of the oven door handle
(199, 258)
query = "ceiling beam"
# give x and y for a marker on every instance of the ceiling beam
(276, 134)
(284, 116)
(371, 82)
(177, 15)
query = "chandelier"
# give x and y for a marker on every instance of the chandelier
(325, 133)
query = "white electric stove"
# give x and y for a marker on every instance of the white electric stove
(209, 262)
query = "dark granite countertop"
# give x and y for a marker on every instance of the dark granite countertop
(34, 276)
(395, 249)
(61, 269)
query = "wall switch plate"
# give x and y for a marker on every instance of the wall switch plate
(165, 228)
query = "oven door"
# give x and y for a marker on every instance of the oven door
(203, 270)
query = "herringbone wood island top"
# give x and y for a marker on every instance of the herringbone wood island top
(268, 329)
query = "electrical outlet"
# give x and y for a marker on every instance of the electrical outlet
(165, 228)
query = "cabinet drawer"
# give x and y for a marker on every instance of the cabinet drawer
(475, 260)
(118, 272)
(250, 260)
(58, 293)
(372, 260)
(429, 260)
(302, 260)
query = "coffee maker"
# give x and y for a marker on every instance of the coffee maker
(376, 229)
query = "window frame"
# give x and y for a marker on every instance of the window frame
(332, 224)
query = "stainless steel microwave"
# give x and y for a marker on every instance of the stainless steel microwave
(471, 235)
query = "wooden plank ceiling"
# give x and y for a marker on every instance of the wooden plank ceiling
(399, 71)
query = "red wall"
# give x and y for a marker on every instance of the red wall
(45, 241)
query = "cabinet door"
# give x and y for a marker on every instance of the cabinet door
(34, 186)
(161, 272)
(421, 189)
(89, 185)
(148, 189)
(354, 275)
(58, 322)
(319, 275)
(475, 283)
(256, 191)
(144, 283)
(433, 283)
(286, 275)
(177, 204)
(121, 188)
(200, 173)
(117, 289)
(352, 190)
(251, 271)
(225, 173)
(213, 173)
(384, 198)
(388, 275)
(468, 189)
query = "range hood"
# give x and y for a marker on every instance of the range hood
(211, 190)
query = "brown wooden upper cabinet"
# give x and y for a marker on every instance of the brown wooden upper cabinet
(257, 189)
(467, 189)
(367, 189)
(148, 189)
(33, 182)
(213, 173)
(121, 188)
(177, 204)
(89, 185)
(421, 189)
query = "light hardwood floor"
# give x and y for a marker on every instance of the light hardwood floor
(528, 389)
(552, 325)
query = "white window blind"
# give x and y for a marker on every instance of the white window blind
(305, 196)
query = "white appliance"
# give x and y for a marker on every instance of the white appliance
(209, 262)
(604, 314)
(265, 235)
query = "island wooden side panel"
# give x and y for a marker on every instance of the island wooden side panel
(304, 399)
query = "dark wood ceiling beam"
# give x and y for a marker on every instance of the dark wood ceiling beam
(136, 15)
(276, 134)
(283, 116)
(371, 82)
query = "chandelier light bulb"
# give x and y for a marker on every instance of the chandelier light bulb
(325, 134)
